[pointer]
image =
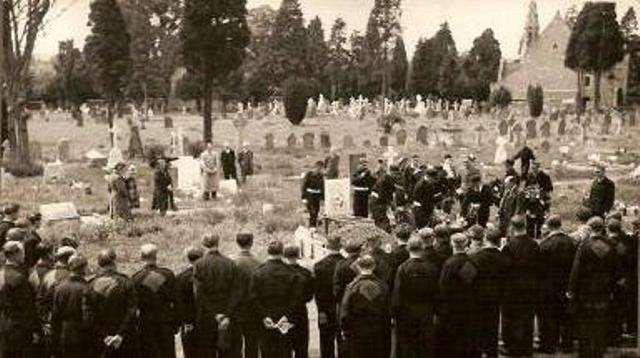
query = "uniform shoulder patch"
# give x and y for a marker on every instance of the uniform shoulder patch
(600, 248)
(104, 285)
(468, 272)
(154, 281)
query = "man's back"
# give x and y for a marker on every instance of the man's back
(217, 285)
(415, 288)
(275, 290)
(157, 295)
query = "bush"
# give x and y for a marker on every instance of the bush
(297, 92)
(535, 99)
(194, 149)
(500, 97)
(23, 170)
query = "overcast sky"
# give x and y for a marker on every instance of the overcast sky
(421, 18)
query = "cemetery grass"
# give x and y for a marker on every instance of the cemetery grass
(275, 184)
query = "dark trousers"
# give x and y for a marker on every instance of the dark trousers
(229, 174)
(593, 326)
(361, 204)
(246, 339)
(157, 340)
(329, 336)
(300, 339)
(189, 344)
(209, 195)
(211, 343)
(369, 345)
(275, 345)
(488, 328)
(415, 338)
(313, 207)
(554, 324)
(517, 328)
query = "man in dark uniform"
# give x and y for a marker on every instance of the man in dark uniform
(526, 156)
(8, 220)
(557, 251)
(383, 259)
(345, 273)
(542, 179)
(625, 298)
(19, 323)
(425, 198)
(457, 311)
(112, 307)
(411, 175)
(399, 254)
(326, 302)
(46, 290)
(443, 244)
(313, 192)
(602, 194)
(300, 334)
(275, 292)
(187, 301)
(413, 303)
(68, 322)
(158, 301)
(477, 202)
(218, 292)
(228, 161)
(591, 282)
(510, 171)
(382, 198)
(362, 182)
(246, 324)
(364, 313)
(32, 240)
(493, 268)
(518, 310)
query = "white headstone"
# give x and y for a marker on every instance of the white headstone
(115, 157)
(228, 187)
(54, 171)
(96, 159)
(337, 197)
(189, 178)
(59, 212)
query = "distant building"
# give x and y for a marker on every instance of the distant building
(542, 62)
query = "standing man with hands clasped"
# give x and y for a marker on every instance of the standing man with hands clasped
(313, 192)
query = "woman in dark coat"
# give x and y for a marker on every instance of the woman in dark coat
(162, 186)
(119, 202)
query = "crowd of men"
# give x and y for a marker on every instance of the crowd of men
(454, 284)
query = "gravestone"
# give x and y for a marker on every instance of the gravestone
(337, 197)
(54, 172)
(479, 131)
(59, 212)
(422, 136)
(96, 159)
(268, 140)
(188, 169)
(228, 187)
(135, 143)
(168, 122)
(35, 151)
(308, 140)
(562, 127)
(545, 146)
(64, 150)
(384, 141)
(532, 129)
(503, 127)
(545, 129)
(401, 137)
(325, 140)
(292, 141)
(347, 142)
(354, 162)
(366, 144)
(115, 157)
(516, 134)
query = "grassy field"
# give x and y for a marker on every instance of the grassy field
(273, 185)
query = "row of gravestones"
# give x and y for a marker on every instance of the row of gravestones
(308, 140)
(532, 129)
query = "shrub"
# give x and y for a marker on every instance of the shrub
(194, 149)
(23, 170)
(500, 97)
(535, 99)
(297, 92)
